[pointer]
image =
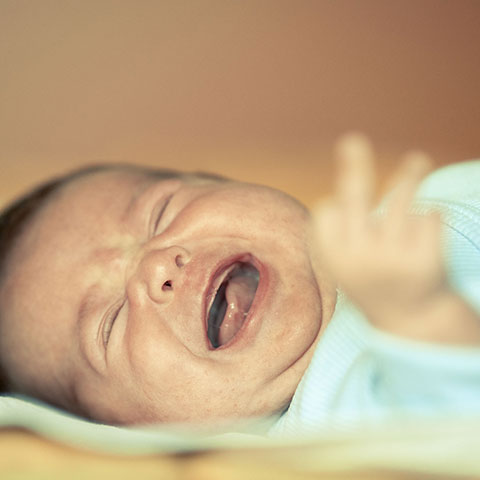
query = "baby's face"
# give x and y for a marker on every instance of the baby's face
(134, 300)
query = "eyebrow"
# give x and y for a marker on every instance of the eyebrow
(87, 305)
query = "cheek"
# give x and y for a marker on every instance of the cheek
(173, 385)
(111, 399)
(297, 310)
(190, 391)
(249, 211)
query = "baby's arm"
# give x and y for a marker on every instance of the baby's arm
(392, 267)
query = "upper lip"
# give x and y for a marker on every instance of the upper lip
(218, 276)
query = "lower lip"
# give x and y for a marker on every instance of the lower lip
(252, 323)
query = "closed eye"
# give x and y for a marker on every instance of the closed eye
(158, 213)
(109, 322)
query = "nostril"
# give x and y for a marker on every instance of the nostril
(167, 285)
(179, 261)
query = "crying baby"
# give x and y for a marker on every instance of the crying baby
(134, 296)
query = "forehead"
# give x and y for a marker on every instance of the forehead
(46, 272)
(86, 207)
(71, 209)
(85, 215)
(111, 186)
(109, 189)
(80, 212)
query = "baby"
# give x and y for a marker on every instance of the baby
(132, 296)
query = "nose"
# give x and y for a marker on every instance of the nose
(159, 273)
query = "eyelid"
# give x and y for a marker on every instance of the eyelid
(109, 321)
(157, 214)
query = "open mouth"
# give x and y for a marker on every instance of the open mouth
(232, 302)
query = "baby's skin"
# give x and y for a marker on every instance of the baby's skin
(391, 267)
(109, 297)
(132, 299)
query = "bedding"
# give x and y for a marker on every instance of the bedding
(436, 446)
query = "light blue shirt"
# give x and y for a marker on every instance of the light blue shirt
(361, 376)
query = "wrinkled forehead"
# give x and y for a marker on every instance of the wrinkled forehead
(112, 188)
(82, 203)
(50, 251)
(81, 214)
(40, 283)
(65, 225)
(46, 273)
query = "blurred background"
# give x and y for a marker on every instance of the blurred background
(253, 89)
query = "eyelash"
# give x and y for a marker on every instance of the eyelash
(160, 213)
(109, 323)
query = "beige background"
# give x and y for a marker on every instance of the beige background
(257, 90)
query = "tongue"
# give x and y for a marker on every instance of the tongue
(239, 294)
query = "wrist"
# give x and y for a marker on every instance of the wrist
(445, 318)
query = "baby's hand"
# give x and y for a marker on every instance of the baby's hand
(391, 267)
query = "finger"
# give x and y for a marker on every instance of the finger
(413, 170)
(355, 180)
